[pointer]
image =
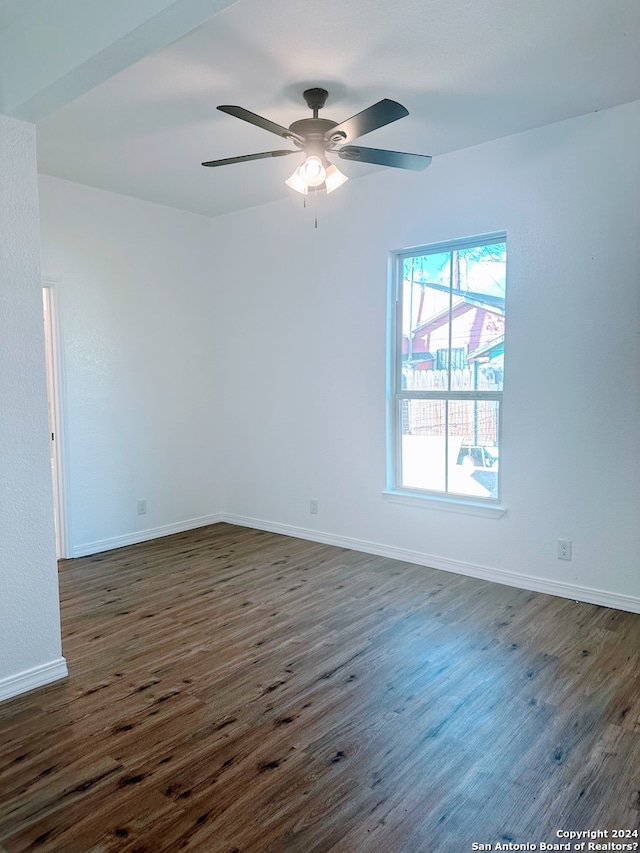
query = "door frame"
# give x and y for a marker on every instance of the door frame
(57, 402)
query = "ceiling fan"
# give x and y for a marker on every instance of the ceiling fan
(318, 137)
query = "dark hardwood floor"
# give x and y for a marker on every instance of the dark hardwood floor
(236, 691)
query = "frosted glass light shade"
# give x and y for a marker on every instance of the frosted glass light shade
(334, 178)
(297, 183)
(312, 171)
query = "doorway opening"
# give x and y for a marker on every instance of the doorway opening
(55, 381)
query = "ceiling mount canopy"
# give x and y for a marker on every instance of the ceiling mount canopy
(315, 99)
(318, 137)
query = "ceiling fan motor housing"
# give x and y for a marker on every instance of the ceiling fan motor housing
(316, 130)
(312, 129)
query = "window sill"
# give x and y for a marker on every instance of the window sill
(446, 504)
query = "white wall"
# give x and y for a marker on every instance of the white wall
(141, 363)
(306, 402)
(236, 366)
(30, 649)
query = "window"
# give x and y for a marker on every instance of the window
(446, 369)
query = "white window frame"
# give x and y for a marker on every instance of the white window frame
(395, 491)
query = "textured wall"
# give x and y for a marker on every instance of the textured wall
(312, 423)
(142, 365)
(238, 364)
(29, 605)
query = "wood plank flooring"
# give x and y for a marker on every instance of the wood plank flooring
(236, 691)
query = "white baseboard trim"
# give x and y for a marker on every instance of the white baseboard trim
(588, 595)
(30, 679)
(90, 548)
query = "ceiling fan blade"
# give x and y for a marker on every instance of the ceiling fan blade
(259, 121)
(375, 116)
(244, 157)
(380, 157)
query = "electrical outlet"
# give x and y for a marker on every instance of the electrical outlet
(313, 506)
(564, 549)
(142, 507)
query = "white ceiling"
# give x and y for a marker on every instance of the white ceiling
(11, 10)
(467, 70)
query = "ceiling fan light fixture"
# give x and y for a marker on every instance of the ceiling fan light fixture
(316, 137)
(313, 171)
(297, 183)
(334, 178)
